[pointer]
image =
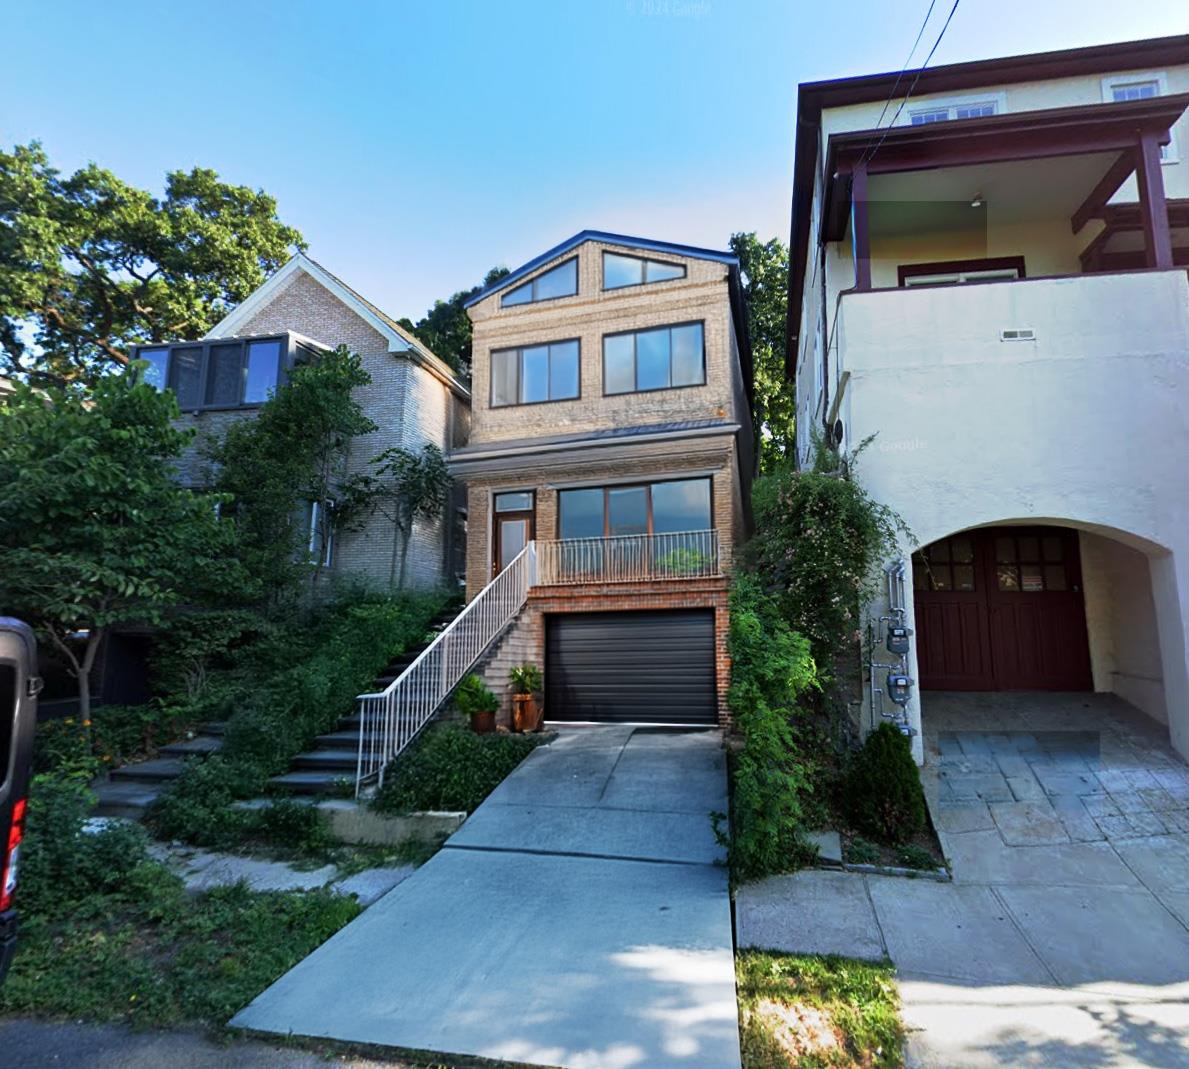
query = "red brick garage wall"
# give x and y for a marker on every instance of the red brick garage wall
(635, 597)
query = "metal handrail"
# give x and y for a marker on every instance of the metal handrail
(629, 558)
(390, 719)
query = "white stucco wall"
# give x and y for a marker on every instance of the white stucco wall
(1087, 426)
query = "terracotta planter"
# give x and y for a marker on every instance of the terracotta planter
(483, 723)
(526, 713)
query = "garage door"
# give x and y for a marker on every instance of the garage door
(640, 667)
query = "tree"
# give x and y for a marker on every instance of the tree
(291, 458)
(765, 269)
(411, 486)
(90, 266)
(95, 531)
(446, 327)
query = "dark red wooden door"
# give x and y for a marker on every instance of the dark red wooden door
(1002, 609)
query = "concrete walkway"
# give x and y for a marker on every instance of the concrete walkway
(577, 918)
(1064, 939)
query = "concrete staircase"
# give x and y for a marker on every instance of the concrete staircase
(132, 788)
(335, 756)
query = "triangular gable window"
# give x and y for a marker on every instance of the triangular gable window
(620, 271)
(560, 281)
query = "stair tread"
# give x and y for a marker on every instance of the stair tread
(308, 781)
(214, 727)
(329, 758)
(200, 744)
(338, 740)
(158, 769)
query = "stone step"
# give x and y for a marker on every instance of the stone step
(338, 740)
(320, 759)
(129, 800)
(200, 745)
(214, 727)
(308, 781)
(159, 770)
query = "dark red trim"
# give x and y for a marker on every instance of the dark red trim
(862, 227)
(812, 97)
(1108, 185)
(942, 267)
(1149, 176)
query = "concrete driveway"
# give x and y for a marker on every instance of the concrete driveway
(577, 919)
(1064, 939)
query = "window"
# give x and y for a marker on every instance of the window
(654, 359)
(560, 281)
(668, 507)
(534, 374)
(956, 108)
(320, 528)
(1140, 86)
(620, 271)
(955, 271)
(517, 501)
(217, 374)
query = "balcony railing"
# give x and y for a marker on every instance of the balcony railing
(629, 558)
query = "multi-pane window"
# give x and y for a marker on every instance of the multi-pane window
(1139, 87)
(945, 565)
(942, 112)
(1144, 90)
(655, 508)
(1029, 564)
(535, 373)
(620, 271)
(216, 374)
(560, 281)
(957, 271)
(654, 359)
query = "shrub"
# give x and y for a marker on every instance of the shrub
(474, 696)
(884, 794)
(451, 768)
(771, 668)
(526, 679)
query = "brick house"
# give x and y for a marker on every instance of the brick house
(414, 398)
(612, 429)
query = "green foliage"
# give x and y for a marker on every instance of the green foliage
(765, 270)
(526, 679)
(94, 529)
(450, 768)
(295, 451)
(409, 486)
(824, 539)
(192, 648)
(90, 266)
(685, 560)
(283, 690)
(473, 696)
(856, 1003)
(883, 788)
(771, 668)
(446, 327)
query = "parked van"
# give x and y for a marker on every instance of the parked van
(19, 685)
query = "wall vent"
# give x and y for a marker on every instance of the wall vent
(1018, 334)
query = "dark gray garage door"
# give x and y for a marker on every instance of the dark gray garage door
(646, 667)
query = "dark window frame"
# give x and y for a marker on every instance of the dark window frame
(532, 283)
(644, 260)
(519, 349)
(286, 357)
(647, 487)
(636, 365)
(944, 267)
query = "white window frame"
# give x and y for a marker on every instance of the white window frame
(1168, 153)
(916, 107)
(328, 556)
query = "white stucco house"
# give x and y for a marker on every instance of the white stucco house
(988, 273)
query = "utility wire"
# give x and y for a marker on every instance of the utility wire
(921, 70)
(904, 69)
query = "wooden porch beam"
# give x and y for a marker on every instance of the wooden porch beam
(860, 222)
(1157, 234)
(1107, 187)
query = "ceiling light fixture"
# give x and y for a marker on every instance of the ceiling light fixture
(976, 201)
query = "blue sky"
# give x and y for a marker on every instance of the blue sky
(418, 144)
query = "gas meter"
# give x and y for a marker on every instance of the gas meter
(897, 640)
(899, 687)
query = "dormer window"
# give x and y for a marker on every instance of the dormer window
(559, 281)
(620, 270)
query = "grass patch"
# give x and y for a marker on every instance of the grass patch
(451, 768)
(807, 1012)
(150, 956)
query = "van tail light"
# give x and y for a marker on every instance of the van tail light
(8, 871)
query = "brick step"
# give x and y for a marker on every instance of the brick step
(159, 770)
(308, 781)
(327, 759)
(129, 800)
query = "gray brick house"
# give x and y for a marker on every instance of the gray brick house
(414, 398)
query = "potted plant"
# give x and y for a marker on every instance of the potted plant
(474, 699)
(526, 684)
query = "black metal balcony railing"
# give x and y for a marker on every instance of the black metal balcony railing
(628, 558)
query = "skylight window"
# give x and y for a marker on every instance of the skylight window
(560, 281)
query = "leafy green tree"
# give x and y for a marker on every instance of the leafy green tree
(90, 265)
(292, 456)
(410, 486)
(95, 531)
(446, 327)
(765, 268)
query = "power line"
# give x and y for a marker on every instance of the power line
(908, 59)
(921, 70)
